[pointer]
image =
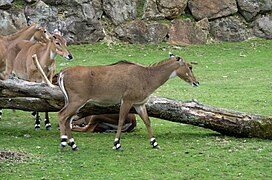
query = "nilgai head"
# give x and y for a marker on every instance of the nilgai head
(61, 46)
(41, 35)
(185, 71)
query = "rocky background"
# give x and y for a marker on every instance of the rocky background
(143, 21)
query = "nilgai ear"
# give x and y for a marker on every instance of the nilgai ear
(52, 38)
(180, 60)
(38, 27)
(171, 55)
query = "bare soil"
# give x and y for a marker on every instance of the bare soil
(9, 155)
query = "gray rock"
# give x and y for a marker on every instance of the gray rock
(171, 9)
(203, 24)
(11, 22)
(250, 8)
(78, 21)
(132, 32)
(156, 32)
(41, 13)
(229, 29)
(53, 2)
(5, 4)
(83, 22)
(263, 27)
(140, 32)
(120, 10)
(186, 32)
(212, 9)
(151, 11)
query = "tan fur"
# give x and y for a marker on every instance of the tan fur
(91, 123)
(24, 67)
(33, 32)
(40, 36)
(126, 83)
(38, 66)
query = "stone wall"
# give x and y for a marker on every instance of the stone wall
(143, 21)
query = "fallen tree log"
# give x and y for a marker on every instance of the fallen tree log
(29, 96)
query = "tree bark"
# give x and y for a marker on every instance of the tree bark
(29, 96)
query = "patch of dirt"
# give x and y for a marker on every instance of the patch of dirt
(9, 155)
(11, 158)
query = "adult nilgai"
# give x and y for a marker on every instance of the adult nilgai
(92, 123)
(24, 68)
(33, 33)
(126, 83)
(41, 36)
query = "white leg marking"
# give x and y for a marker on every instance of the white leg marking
(1, 112)
(63, 140)
(63, 137)
(118, 146)
(63, 143)
(71, 140)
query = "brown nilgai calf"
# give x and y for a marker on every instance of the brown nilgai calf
(103, 123)
(124, 82)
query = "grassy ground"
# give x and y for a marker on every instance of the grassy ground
(232, 75)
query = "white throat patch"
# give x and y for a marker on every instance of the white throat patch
(33, 39)
(52, 55)
(173, 74)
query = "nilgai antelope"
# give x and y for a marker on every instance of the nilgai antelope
(24, 67)
(92, 123)
(32, 32)
(103, 123)
(124, 82)
(40, 36)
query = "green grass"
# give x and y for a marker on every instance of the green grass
(236, 76)
(18, 4)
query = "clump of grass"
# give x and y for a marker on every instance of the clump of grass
(18, 4)
(140, 8)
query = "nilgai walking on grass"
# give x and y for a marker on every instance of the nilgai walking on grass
(124, 82)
